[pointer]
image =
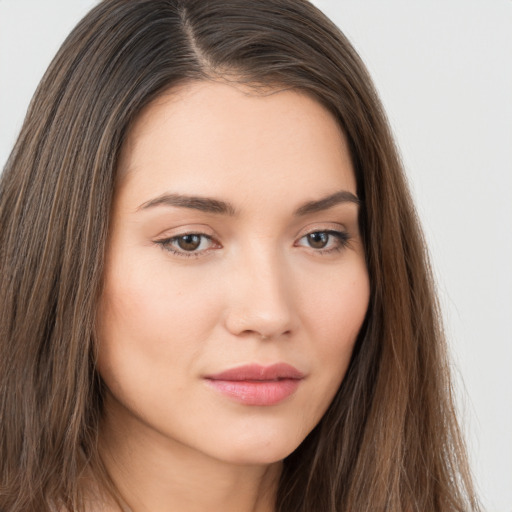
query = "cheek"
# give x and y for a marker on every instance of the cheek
(334, 318)
(151, 323)
(349, 311)
(335, 306)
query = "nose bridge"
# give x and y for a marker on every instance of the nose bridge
(261, 299)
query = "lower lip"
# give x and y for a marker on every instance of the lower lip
(267, 392)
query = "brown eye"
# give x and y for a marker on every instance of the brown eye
(189, 242)
(318, 240)
(323, 242)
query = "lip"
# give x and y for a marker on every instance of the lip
(257, 385)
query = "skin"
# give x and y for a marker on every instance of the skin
(255, 290)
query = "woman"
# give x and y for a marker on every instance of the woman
(216, 294)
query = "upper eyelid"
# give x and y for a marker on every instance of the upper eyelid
(327, 227)
(207, 231)
(163, 238)
(328, 231)
(176, 232)
(316, 227)
(342, 235)
(301, 234)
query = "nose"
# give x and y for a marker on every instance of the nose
(260, 298)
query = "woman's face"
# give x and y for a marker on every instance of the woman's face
(235, 280)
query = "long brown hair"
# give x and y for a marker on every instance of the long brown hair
(390, 440)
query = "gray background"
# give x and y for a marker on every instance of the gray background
(444, 71)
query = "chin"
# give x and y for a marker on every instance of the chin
(259, 451)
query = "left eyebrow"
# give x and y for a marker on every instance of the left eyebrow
(340, 197)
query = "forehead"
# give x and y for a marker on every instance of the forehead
(215, 138)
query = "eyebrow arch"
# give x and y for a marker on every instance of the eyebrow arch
(342, 196)
(203, 204)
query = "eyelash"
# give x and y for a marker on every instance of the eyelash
(342, 241)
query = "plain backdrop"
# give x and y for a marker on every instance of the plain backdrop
(444, 72)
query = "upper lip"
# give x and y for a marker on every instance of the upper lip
(256, 372)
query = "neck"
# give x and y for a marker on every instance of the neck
(153, 473)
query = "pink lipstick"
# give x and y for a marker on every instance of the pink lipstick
(257, 385)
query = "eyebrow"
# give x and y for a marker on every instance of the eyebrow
(340, 197)
(216, 206)
(203, 204)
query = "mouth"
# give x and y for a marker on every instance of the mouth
(257, 385)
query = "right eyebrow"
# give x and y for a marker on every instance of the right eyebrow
(203, 204)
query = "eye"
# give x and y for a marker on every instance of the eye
(188, 244)
(325, 241)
